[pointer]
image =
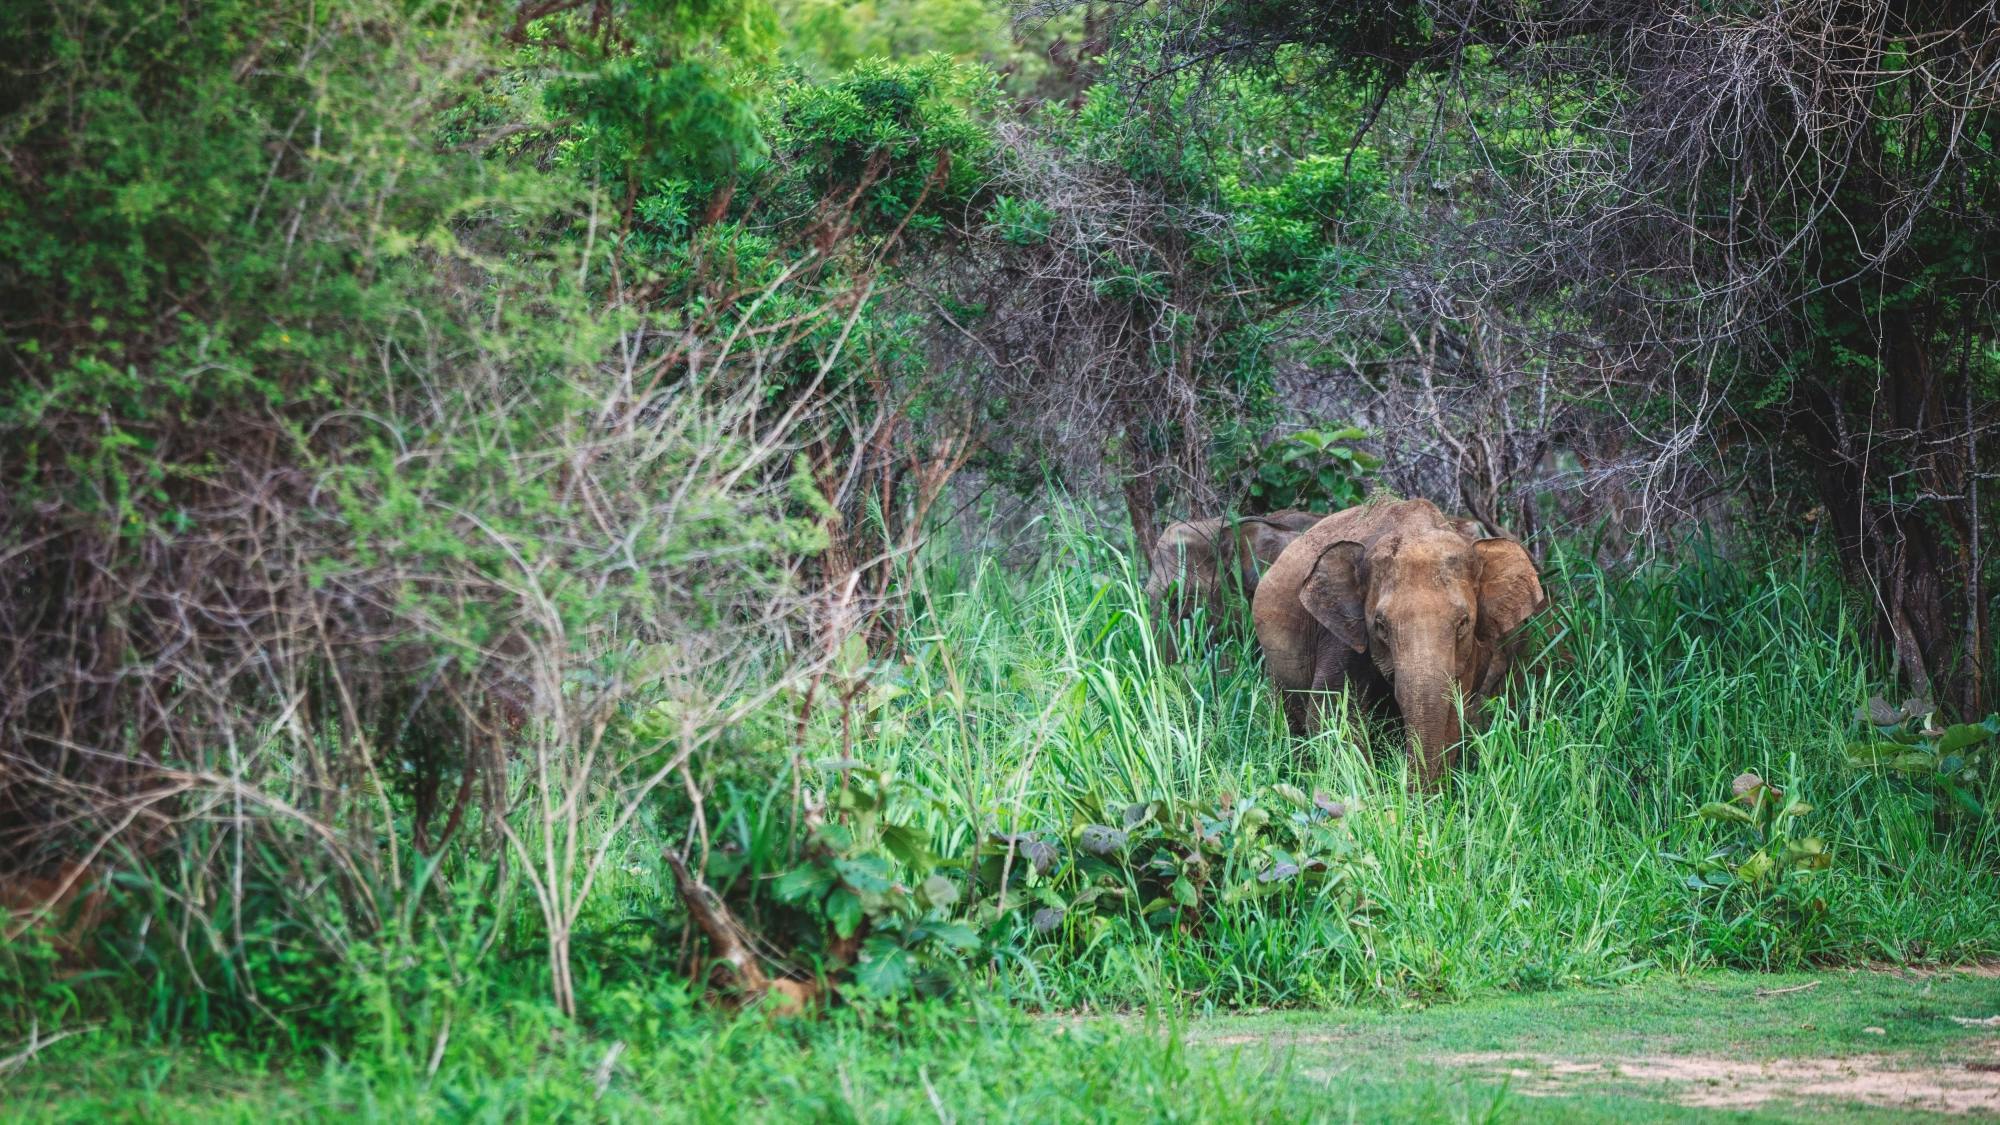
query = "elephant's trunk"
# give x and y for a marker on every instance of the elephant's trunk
(1427, 697)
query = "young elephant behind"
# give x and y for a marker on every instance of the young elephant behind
(1402, 604)
(1204, 563)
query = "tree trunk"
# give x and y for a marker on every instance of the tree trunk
(1898, 499)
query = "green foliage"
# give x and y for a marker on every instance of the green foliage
(642, 123)
(1761, 877)
(1318, 469)
(648, 1056)
(1168, 843)
(852, 883)
(886, 916)
(1022, 222)
(645, 1055)
(1165, 235)
(1289, 230)
(151, 241)
(832, 36)
(904, 140)
(1174, 863)
(1951, 764)
(1033, 708)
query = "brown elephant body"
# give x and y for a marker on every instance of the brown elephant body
(1214, 560)
(1403, 605)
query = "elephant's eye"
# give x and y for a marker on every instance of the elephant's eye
(1381, 626)
(1464, 623)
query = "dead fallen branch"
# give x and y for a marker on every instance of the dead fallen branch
(731, 942)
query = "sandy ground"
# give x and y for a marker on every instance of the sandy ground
(1884, 1081)
(1958, 1074)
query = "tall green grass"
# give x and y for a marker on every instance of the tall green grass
(1030, 698)
(1026, 696)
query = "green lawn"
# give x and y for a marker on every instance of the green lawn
(1766, 1047)
(1781, 1046)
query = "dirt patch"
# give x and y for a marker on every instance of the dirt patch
(1986, 970)
(1705, 1082)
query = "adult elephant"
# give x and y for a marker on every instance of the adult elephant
(1202, 563)
(1402, 604)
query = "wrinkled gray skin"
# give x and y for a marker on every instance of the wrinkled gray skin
(1402, 604)
(1190, 566)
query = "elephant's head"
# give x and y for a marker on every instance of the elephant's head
(1198, 563)
(1182, 571)
(1431, 607)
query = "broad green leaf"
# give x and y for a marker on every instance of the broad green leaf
(1291, 793)
(804, 882)
(852, 656)
(1809, 852)
(885, 969)
(937, 893)
(868, 874)
(1863, 755)
(1915, 761)
(958, 935)
(911, 845)
(1960, 736)
(834, 837)
(843, 909)
(1754, 869)
(1964, 798)
(1722, 810)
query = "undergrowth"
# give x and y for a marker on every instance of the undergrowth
(1036, 707)
(1161, 840)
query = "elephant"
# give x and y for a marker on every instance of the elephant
(1402, 604)
(1191, 552)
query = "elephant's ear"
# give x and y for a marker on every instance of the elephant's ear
(1334, 591)
(1265, 540)
(1510, 591)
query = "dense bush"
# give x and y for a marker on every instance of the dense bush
(353, 467)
